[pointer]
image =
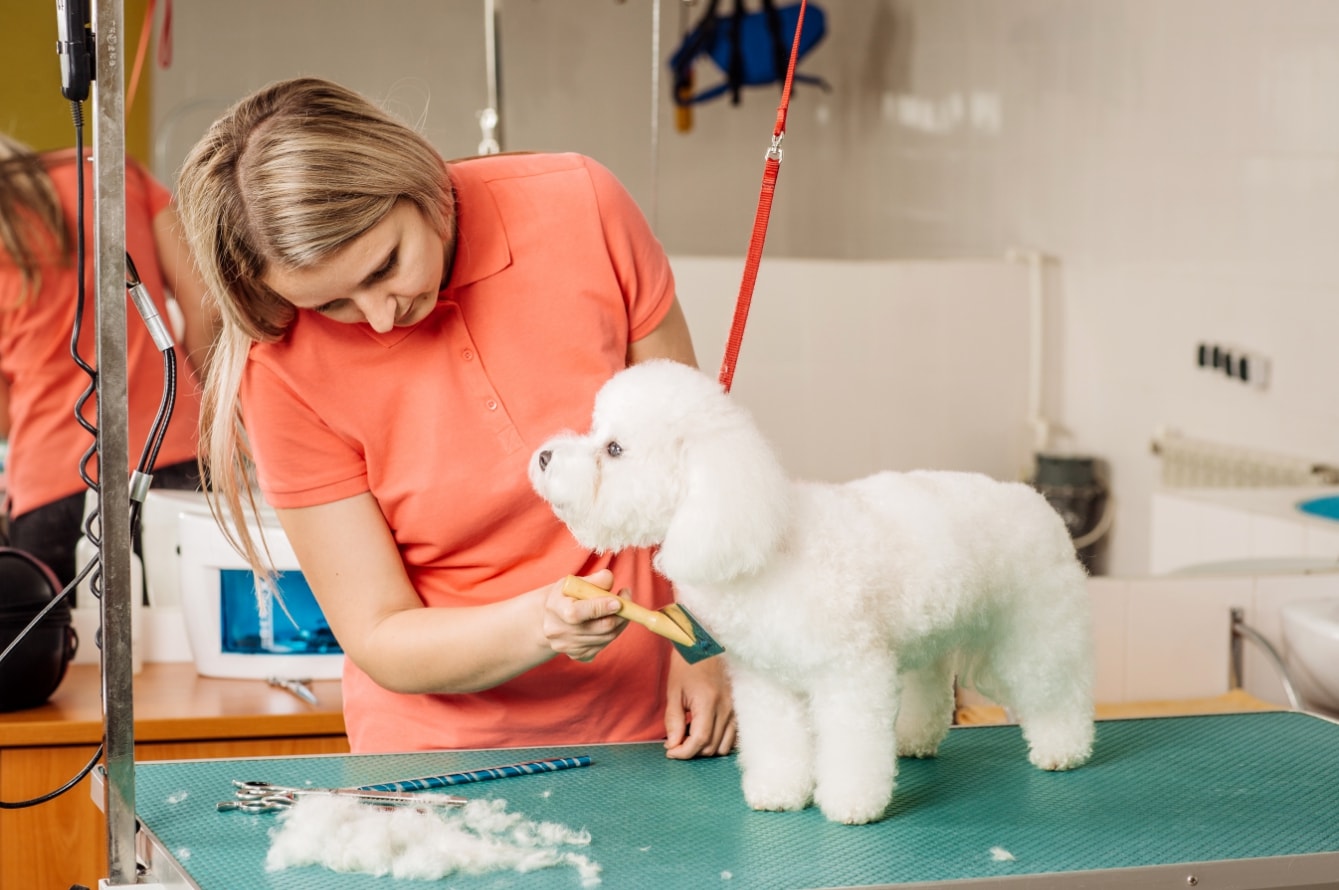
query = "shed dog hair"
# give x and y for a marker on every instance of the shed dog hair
(846, 610)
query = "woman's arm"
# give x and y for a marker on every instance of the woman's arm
(670, 339)
(188, 289)
(349, 558)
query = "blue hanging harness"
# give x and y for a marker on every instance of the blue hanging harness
(750, 48)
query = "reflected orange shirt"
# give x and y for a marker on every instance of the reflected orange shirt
(556, 272)
(46, 443)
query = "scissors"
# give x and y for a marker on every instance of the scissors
(264, 797)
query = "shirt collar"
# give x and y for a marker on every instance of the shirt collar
(481, 236)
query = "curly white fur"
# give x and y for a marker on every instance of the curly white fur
(345, 835)
(846, 610)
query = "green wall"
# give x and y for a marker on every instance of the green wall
(31, 106)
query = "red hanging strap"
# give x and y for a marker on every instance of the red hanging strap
(770, 170)
(145, 38)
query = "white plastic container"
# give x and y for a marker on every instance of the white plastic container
(237, 629)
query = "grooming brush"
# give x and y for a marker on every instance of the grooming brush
(673, 622)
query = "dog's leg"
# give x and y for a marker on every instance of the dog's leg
(776, 750)
(925, 711)
(856, 764)
(1045, 671)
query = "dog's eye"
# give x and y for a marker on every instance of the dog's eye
(613, 449)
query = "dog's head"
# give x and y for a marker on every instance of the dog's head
(671, 460)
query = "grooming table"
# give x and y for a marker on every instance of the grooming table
(1223, 801)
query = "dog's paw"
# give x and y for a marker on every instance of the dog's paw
(851, 809)
(920, 741)
(920, 750)
(1060, 746)
(1059, 760)
(777, 796)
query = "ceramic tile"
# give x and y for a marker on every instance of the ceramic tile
(1187, 533)
(1109, 598)
(1178, 633)
(1173, 533)
(1274, 537)
(1322, 542)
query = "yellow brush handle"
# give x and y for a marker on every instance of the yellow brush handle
(655, 622)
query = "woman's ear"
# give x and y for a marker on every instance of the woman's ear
(736, 502)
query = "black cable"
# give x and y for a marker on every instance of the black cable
(77, 115)
(148, 455)
(52, 795)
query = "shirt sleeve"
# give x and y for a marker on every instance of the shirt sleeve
(639, 260)
(300, 460)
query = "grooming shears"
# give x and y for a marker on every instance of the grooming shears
(264, 797)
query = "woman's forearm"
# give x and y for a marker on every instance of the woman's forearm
(455, 650)
(354, 568)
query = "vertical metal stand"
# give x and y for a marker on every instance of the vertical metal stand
(490, 119)
(653, 209)
(113, 408)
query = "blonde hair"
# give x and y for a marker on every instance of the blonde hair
(32, 225)
(284, 179)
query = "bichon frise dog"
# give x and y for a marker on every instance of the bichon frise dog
(846, 610)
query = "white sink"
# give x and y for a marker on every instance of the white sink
(1311, 632)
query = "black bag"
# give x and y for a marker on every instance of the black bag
(31, 673)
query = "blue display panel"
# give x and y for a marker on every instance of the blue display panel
(280, 617)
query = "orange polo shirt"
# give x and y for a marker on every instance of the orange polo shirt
(46, 444)
(555, 273)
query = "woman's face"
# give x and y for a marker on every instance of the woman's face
(387, 277)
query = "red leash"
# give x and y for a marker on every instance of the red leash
(770, 170)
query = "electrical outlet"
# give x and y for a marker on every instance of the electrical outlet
(1235, 363)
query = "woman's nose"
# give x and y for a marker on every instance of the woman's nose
(379, 309)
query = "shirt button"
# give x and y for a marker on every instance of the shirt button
(467, 355)
(492, 405)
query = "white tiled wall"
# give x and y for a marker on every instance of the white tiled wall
(1192, 527)
(1170, 638)
(1164, 639)
(1178, 159)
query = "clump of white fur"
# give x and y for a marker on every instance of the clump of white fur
(846, 610)
(344, 835)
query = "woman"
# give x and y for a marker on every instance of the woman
(39, 381)
(399, 334)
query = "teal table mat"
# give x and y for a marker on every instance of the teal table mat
(1157, 792)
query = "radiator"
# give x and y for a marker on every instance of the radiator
(1197, 463)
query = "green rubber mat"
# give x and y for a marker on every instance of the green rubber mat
(1157, 792)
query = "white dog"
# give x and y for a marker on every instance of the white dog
(846, 610)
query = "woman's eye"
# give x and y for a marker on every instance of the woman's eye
(613, 449)
(386, 267)
(332, 307)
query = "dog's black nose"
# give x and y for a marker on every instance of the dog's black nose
(544, 459)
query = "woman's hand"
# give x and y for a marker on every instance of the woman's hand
(580, 628)
(700, 716)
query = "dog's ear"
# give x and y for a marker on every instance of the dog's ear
(736, 502)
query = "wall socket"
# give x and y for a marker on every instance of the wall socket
(1242, 365)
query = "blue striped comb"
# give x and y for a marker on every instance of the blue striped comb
(425, 783)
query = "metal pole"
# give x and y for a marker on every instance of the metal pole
(653, 211)
(113, 459)
(490, 119)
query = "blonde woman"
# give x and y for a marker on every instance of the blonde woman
(399, 334)
(39, 381)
